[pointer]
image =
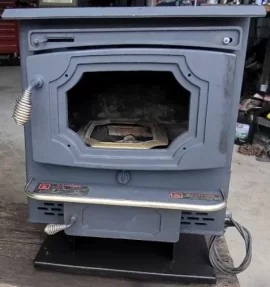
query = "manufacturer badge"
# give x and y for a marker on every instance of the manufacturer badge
(196, 196)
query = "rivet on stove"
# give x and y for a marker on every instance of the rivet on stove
(227, 40)
(36, 42)
(123, 177)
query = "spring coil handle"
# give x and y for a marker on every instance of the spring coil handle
(52, 229)
(23, 105)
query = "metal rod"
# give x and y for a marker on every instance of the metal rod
(128, 203)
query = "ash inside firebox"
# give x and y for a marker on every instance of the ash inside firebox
(148, 96)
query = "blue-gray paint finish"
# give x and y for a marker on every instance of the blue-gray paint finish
(169, 177)
(124, 222)
(136, 12)
(206, 37)
(199, 148)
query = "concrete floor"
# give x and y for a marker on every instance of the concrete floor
(249, 197)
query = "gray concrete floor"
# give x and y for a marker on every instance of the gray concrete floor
(249, 196)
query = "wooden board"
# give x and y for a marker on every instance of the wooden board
(20, 241)
(267, 9)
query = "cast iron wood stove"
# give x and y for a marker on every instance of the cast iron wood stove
(133, 114)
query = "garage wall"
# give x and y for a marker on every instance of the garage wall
(9, 43)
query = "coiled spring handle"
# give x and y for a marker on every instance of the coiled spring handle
(52, 229)
(23, 105)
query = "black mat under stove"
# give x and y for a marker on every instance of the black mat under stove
(186, 261)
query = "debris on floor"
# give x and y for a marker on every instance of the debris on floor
(260, 148)
(250, 150)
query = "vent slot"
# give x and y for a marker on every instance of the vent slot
(200, 223)
(48, 203)
(59, 39)
(49, 213)
(51, 209)
(193, 218)
(197, 220)
(42, 208)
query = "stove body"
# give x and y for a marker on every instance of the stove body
(113, 79)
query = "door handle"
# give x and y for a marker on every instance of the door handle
(23, 105)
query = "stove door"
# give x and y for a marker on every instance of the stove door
(207, 75)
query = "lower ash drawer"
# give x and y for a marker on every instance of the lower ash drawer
(123, 222)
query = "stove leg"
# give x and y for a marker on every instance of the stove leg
(173, 252)
(73, 242)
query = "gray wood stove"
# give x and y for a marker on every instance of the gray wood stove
(133, 114)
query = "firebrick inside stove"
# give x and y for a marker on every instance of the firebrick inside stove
(133, 114)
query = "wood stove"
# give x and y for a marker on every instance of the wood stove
(133, 114)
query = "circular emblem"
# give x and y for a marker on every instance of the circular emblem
(123, 177)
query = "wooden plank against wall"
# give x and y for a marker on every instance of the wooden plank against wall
(20, 241)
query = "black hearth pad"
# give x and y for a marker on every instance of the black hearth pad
(186, 261)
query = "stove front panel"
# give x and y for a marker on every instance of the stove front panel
(207, 75)
(167, 224)
(55, 153)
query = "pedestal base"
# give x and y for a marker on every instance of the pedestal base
(186, 261)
